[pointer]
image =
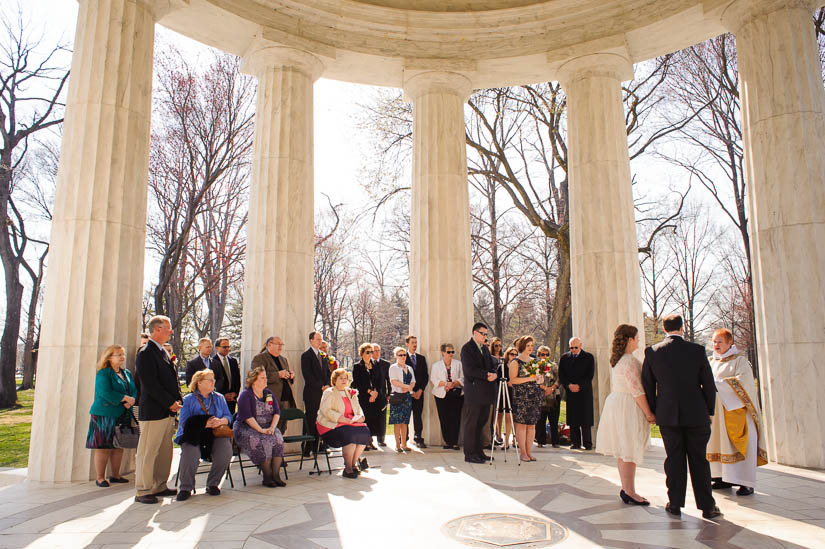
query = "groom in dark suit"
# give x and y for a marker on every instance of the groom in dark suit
(316, 379)
(681, 392)
(479, 392)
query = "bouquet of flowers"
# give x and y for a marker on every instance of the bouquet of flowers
(331, 360)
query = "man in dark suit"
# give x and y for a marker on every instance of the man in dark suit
(479, 392)
(316, 379)
(576, 370)
(384, 367)
(422, 378)
(681, 392)
(159, 400)
(279, 379)
(227, 372)
(202, 361)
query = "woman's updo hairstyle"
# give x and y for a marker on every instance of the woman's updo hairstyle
(521, 343)
(623, 333)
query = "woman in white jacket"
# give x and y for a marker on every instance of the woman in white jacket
(447, 379)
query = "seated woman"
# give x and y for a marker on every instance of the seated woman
(341, 423)
(115, 394)
(203, 410)
(256, 427)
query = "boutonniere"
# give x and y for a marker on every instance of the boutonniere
(268, 400)
(353, 392)
(173, 359)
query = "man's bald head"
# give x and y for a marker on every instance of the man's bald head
(575, 345)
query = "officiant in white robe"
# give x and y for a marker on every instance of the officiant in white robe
(736, 447)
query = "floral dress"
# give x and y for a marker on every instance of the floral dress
(400, 413)
(258, 446)
(528, 398)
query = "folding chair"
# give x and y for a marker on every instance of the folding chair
(306, 440)
(329, 452)
(207, 466)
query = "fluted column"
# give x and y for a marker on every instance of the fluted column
(441, 293)
(605, 278)
(784, 122)
(278, 283)
(95, 284)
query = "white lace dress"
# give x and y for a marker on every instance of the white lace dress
(623, 430)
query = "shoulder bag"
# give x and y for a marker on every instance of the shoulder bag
(221, 431)
(127, 433)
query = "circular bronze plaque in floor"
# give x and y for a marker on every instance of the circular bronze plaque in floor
(505, 530)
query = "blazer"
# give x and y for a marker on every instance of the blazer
(273, 382)
(315, 377)
(157, 384)
(222, 385)
(363, 380)
(422, 373)
(196, 365)
(679, 383)
(476, 364)
(384, 366)
(332, 406)
(109, 392)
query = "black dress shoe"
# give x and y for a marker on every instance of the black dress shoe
(575, 447)
(555, 445)
(446, 447)
(102, 484)
(420, 444)
(146, 499)
(744, 491)
(183, 495)
(350, 474)
(712, 513)
(213, 490)
(675, 511)
(484, 457)
(167, 492)
(455, 447)
(382, 444)
(474, 459)
(720, 484)
(118, 480)
(588, 448)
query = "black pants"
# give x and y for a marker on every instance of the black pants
(474, 416)
(551, 415)
(372, 417)
(382, 427)
(418, 423)
(449, 415)
(681, 444)
(580, 435)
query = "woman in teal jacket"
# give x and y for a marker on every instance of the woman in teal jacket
(115, 394)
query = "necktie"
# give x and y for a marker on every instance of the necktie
(226, 369)
(412, 358)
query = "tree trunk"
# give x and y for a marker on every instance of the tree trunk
(11, 330)
(561, 301)
(29, 362)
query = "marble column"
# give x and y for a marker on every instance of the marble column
(783, 111)
(441, 292)
(605, 277)
(278, 283)
(95, 283)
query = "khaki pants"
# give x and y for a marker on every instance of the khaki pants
(154, 456)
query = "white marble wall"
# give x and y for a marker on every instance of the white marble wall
(278, 283)
(440, 277)
(605, 278)
(784, 122)
(98, 232)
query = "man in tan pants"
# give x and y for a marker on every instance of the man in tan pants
(160, 399)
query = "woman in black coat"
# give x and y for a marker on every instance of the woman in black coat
(372, 390)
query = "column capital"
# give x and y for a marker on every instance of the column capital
(605, 64)
(262, 55)
(437, 82)
(739, 13)
(161, 8)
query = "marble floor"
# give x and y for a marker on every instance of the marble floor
(406, 501)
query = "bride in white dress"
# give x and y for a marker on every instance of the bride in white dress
(624, 428)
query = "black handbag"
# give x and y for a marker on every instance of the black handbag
(396, 399)
(127, 432)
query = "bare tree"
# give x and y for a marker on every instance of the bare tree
(203, 137)
(332, 273)
(31, 90)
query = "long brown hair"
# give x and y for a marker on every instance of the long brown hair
(620, 337)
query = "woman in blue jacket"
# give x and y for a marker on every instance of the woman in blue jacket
(115, 394)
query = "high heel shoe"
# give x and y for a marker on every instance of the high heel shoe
(627, 499)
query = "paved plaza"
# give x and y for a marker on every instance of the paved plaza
(407, 501)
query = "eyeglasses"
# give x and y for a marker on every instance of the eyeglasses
(482, 333)
(223, 346)
(401, 354)
(450, 352)
(544, 354)
(367, 352)
(575, 348)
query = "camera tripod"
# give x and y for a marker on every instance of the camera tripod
(502, 403)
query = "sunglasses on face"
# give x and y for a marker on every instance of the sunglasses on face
(401, 354)
(450, 352)
(574, 348)
(367, 352)
(543, 354)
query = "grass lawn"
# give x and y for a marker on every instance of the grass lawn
(15, 431)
